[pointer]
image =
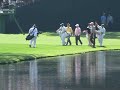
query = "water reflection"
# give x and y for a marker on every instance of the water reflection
(33, 72)
(101, 68)
(77, 69)
(90, 70)
(65, 70)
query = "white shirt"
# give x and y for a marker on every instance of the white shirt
(101, 30)
(33, 31)
(62, 29)
(92, 29)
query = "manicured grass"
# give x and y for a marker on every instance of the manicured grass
(14, 47)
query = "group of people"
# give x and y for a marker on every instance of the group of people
(93, 30)
(67, 32)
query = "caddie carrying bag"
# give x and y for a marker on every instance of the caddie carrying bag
(29, 37)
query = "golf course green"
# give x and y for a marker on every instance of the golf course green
(14, 47)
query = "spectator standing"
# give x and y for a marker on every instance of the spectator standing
(103, 19)
(109, 21)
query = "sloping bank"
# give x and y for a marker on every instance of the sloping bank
(6, 58)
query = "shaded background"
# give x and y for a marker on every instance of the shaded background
(48, 14)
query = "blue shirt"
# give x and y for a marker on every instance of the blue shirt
(103, 19)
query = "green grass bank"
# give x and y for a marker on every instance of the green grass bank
(14, 47)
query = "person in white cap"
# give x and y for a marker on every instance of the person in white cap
(101, 33)
(33, 31)
(62, 33)
(77, 34)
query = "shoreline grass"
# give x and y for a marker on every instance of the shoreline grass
(14, 47)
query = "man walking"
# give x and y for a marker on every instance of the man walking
(77, 34)
(92, 36)
(101, 34)
(63, 34)
(69, 32)
(33, 31)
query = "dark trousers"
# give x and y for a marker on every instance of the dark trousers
(68, 41)
(92, 39)
(77, 38)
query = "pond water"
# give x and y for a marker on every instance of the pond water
(89, 71)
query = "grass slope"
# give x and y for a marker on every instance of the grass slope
(14, 47)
